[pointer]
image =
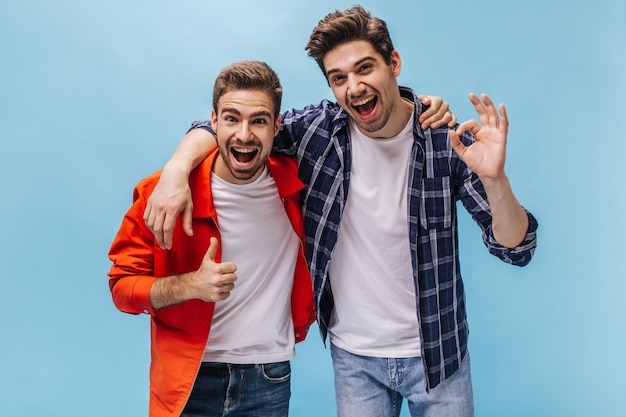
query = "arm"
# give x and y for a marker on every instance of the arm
(486, 158)
(133, 284)
(172, 195)
(211, 282)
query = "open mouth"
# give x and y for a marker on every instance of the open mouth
(365, 106)
(244, 155)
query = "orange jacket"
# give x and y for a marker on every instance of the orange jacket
(179, 333)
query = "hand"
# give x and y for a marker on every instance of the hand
(438, 113)
(487, 154)
(213, 281)
(170, 197)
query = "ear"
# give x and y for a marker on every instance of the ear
(396, 63)
(276, 125)
(214, 120)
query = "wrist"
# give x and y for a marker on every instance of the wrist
(186, 288)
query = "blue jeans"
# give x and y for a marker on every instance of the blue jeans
(227, 390)
(375, 387)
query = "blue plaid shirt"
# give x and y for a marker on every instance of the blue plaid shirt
(318, 136)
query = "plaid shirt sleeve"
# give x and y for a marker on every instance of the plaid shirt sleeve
(473, 197)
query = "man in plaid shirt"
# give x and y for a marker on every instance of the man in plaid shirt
(380, 221)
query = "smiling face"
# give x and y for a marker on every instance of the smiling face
(366, 87)
(245, 125)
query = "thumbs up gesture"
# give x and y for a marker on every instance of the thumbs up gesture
(213, 281)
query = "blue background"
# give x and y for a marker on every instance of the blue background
(96, 95)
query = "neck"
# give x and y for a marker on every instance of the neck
(400, 115)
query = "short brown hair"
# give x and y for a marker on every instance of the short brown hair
(248, 75)
(352, 24)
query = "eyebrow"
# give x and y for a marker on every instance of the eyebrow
(238, 113)
(356, 64)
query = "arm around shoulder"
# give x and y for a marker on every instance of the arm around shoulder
(172, 195)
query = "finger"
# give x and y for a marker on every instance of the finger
(188, 220)
(223, 289)
(228, 279)
(455, 142)
(428, 115)
(226, 268)
(147, 214)
(150, 218)
(212, 251)
(480, 108)
(470, 125)
(227, 287)
(425, 100)
(168, 230)
(440, 118)
(452, 122)
(492, 114)
(475, 101)
(504, 118)
(157, 228)
(220, 295)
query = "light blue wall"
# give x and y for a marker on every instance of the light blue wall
(96, 95)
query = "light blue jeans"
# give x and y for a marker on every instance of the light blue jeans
(375, 387)
(227, 390)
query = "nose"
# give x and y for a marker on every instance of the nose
(245, 132)
(354, 86)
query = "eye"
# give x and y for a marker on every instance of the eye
(230, 119)
(365, 68)
(260, 122)
(337, 79)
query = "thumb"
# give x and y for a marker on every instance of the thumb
(212, 251)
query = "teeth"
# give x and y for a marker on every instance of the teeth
(243, 150)
(363, 101)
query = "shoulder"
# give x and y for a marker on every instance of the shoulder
(284, 170)
(323, 109)
(284, 163)
(144, 188)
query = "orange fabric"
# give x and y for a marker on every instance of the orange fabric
(179, 333)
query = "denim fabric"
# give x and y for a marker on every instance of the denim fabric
(375, 387)
(227, 390)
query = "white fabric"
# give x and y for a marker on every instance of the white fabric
(254, 324)
(370, 271)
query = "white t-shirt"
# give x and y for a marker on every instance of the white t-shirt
(254, 324)
(371, 276)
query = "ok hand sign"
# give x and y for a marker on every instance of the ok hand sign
(486, 156)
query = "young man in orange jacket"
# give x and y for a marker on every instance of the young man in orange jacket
(227, 304)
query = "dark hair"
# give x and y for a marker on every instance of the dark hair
(248, 75)
(352, 24)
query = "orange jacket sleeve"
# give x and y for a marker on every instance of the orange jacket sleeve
(132, 254)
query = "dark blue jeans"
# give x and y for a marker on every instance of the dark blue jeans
(228, 390)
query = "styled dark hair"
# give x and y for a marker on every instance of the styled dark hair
(352, 24)
(248, 75)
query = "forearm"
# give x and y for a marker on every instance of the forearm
(170, 290)
(192, 149)
(509, 219)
